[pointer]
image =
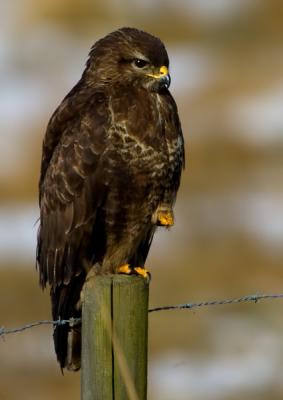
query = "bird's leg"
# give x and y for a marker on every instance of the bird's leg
(163, 216)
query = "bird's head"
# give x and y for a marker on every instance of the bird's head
(129, 56)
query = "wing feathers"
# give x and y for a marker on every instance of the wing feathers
(72, 188)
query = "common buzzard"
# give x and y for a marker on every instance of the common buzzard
(112, 158)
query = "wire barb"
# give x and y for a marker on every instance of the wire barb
(76, 321)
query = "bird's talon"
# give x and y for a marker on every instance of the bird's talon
(125, 269)
(142, 272)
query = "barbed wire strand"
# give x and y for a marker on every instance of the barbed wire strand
(76, 321)
(250, 298)
(71, 321)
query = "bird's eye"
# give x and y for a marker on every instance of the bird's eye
(140, 63)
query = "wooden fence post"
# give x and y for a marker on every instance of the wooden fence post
(114, 338)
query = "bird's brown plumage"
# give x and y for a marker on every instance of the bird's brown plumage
(112, 156)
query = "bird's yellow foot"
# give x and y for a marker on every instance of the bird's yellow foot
(124, 269)
(165, 218)
(142, 272)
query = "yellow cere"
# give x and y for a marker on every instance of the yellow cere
(162, 71)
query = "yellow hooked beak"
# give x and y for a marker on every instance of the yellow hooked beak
(163, 76)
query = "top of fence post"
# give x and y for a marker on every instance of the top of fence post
(114, 338)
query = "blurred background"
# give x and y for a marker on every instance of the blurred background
(226, 67)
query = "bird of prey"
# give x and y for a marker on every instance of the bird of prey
(112, 158)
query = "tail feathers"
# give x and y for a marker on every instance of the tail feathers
(60, 336)
(67, 342)
(73, 359)
(67, 337)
